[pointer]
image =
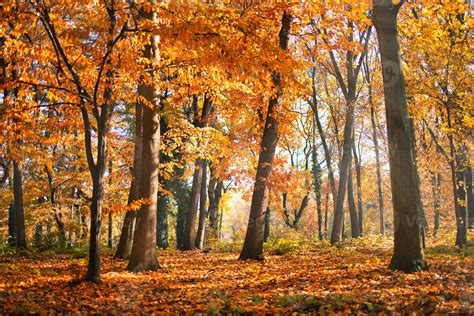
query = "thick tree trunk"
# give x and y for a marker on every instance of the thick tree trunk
(124, 248)
(143, 256)
(337, 228)
(19, 212)
(253, 244)
(202, 210)
(408, 253)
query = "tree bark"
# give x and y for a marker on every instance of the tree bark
(253, 244)
(202, 210)
(357, 164)
(190, 230)
(12, 225)
(124, 248)
(408, 253)
(352, 207)
(19, 211)
(337, 229)
(266, 232)
(436, 190)
(143, 256)
(317, 180)
(215, 193)
(378, 169)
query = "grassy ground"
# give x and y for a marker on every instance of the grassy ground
(303, 278)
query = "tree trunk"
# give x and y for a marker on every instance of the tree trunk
(317, 175)
(110, 223)
(337, 228)
(378, 169)
(12, 225)
(326, 211)
(182, 195)
(436, 189)
(215, 193)
(357, 164)
(162, 219)
(143, 256)
(253, 244)
(266, 232)
(19, 212)
(352, 207)
(469, 195)
(322, 136)
(190, 230)
(124, 248)
(408, 253)
(202, 210)
(424, 222)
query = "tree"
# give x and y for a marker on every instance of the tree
(124, 248)
(408, 253)
(143, 255)
(253, 244)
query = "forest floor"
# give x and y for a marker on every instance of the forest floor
(311, 279)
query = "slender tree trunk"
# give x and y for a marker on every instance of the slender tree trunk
(469, 195)
(12, 225)
(182, 195)
(266, 233)
(253, 244)
(124, 248)
(357, 165)
(199, 169)
(326, 211)
(424, 222)
(322, 136)
(162, 219)
(352, 207)
(110, 223)
(19, 212)
(337, 228)
(202, 210)
(317, 174)
(215, 193)
(457, 176)
(377, 164)
(436, 189)
(164, 202)
(408, 253)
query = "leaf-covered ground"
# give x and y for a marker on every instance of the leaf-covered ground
(353, 279)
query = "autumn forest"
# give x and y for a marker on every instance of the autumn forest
(236, 157)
